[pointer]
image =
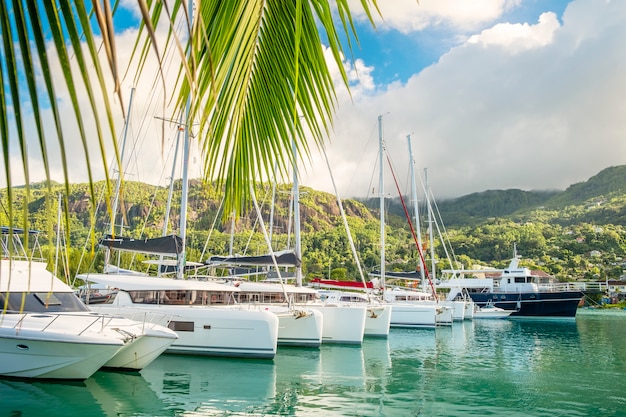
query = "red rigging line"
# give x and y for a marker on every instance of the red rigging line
(408, 217)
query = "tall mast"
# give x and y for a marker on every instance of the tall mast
(296, 212)
(430, 226)
(185, 186)
(119, 176)
(415, 207)
(382, 202)
(171, 190)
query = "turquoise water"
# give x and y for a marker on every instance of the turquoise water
(480, 368)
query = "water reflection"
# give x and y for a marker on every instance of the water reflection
(486, 367)
(34, 398)
(211, 385)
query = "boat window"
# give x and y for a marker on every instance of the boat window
(43, 302)
(143, 297)
(47, 299)
(217, 298)
(181, 326)
(520, 280)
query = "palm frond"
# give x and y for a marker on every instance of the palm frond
(257, 80)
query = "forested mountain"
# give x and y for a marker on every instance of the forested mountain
(577, 233)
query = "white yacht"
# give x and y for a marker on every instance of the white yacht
(52, 346)
(343, 323)
(33, 289)
(35, 302)
(416, 309)
(299, 325)
(195, 310)
(489, 311)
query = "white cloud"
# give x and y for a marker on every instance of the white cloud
(411, 15)
(546, 116)
(517, 37)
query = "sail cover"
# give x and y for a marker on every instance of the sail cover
(171, 245)
(284, 258)
(399, 275)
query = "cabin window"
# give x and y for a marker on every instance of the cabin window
(181, 326)
(143, 297)
(520, 280)
(47, 299)
(43, 302)
(217, 298)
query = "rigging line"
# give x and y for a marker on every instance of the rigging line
(269, 245)
(439, 219)
(408, 217)
(217, 215)
(345, 223)
(445, 232)
(256, 221)
(91, 234)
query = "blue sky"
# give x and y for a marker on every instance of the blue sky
(397, 56)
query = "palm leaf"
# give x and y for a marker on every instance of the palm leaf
(256, 80)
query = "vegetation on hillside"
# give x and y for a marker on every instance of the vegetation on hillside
(553, 231)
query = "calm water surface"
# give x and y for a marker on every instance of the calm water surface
(480, 368)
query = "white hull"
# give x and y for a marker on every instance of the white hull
(491, 313)
(31, 350)
(469, 310)
(458, 309)
(344, 324)
(300, 327)
(445, 315)
(377, 317)
(377, 321)
(413, 315)
(211, 331)
(151, 340)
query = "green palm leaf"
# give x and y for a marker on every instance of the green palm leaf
(253, 72)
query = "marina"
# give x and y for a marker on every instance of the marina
(512, 367)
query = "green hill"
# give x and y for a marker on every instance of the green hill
(575, 233)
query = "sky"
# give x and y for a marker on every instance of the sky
(495, 94)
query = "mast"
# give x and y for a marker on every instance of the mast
(171, 190)
(415, 207)
(185, 186)
(119, 177)
(296, 212)
(430, 226)
(107, 252)
(382, 202)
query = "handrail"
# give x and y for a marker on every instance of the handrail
(55, 316)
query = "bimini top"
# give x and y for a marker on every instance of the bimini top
(283, 258)
(171, 245)
(138, 283)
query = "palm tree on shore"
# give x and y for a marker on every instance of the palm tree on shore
(254, 71)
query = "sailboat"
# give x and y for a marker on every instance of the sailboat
(407, 311)
(187, 306)
(341, 323)
(298, 326)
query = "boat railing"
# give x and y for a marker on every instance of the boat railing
(572, 286)
(149, 318)
(20, 244)
(28, 319)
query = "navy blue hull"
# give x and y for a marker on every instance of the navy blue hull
(537, 304)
